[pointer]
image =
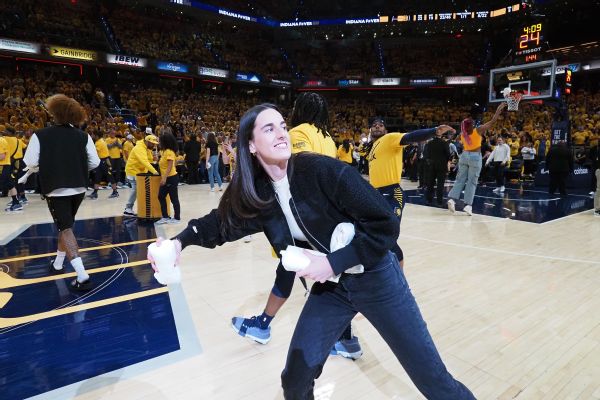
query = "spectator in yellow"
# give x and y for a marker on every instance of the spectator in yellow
(138, 163)
(344, 152)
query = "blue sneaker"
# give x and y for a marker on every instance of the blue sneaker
(348, 348)
(249, 328)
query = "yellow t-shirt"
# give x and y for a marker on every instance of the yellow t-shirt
(165, 156)
(344, 156)
(15, 150)
(127, 147)
(306, 137)
(514, 148)
(101, 148)
(385, 160)
(113, 152)
(4, 150)
(475, 141)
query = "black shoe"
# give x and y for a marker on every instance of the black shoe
(54, 271)
(114, 195)
(84, 286)
(92, 196)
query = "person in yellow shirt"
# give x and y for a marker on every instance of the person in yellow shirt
(6, 179)
(169, 180)
(127, 146)
(344, 152)
(15, 149)
(139, 163)
(114, 153)
(470, 162)
(311, 136)
(103, 170)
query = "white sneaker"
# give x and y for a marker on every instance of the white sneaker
(162, 221)
(468, 209)
(497, 190)
(173, 221)
(248, 239)
(502, 189)
(212, 189)
(129, 212)
(452, 205)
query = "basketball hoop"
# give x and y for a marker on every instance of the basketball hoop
(513, 99)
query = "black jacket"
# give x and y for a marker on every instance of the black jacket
(559, 159)
(437, 151)
(192, 151)
(63, 158)
(325, 192)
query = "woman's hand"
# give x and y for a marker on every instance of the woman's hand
(319, 269)
(163, 181)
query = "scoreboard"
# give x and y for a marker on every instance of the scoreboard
(529, 42)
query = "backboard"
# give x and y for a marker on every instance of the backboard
(534, 80)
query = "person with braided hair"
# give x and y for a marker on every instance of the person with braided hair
(310, 118)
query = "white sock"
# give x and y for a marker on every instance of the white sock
(80, 269)
(60, 258)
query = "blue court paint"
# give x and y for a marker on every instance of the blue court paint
(51, 353)
(528, 203)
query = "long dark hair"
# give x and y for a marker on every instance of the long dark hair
(211, 138)
(168, 141)
(346, 144)
(311, 108)
(241, 199)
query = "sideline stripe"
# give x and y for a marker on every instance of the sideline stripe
(7, 281)
(106, 246)
(7, 322)
(513, 253)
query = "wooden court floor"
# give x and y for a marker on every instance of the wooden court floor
(514, 308)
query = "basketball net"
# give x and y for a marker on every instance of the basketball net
(513, 99)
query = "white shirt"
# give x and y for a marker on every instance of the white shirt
(32, 159)
(282, 190)
(528, 153)
(501, 153)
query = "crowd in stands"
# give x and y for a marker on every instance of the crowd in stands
(53, 22)
(191, 114)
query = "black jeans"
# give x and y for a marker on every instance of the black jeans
(499, 173)
(170, 188)
(558, 180)
(383, 296)
(436, 177)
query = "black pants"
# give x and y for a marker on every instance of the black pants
(499, 172)
(558, 180)
(103, 172)
(192, 170)
(116, 166)
(423, 165)
(170, 188)
(63, 209)
(436, 177)
(528, 167)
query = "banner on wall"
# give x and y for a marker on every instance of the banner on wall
(247, 77)
(20, 46)
(131, 61)
(423, 81)
(216, 72)
(172, 66)
(77, 54)
(461, 80)
(385, 81)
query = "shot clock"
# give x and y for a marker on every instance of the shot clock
(529, 42)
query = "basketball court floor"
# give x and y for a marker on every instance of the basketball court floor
(511, 297)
